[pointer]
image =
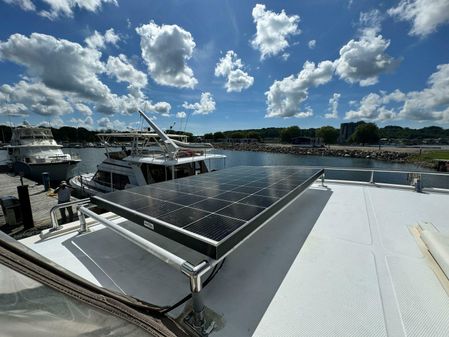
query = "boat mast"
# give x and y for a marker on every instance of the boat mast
(172, 148)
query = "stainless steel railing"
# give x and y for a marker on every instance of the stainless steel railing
(54, 220)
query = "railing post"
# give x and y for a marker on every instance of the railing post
(322, 179)
(371, 179)
(196, 319)
(82, 218)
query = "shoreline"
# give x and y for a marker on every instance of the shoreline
(394, 155)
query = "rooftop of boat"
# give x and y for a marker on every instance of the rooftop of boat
(343, 259)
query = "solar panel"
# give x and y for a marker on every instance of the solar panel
(211, 213)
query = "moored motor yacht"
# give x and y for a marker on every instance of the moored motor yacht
(33, 151)
(146, 158)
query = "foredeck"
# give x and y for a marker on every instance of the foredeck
(360, 271)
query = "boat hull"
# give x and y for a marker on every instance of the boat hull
(57, 171)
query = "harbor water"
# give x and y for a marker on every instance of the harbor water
(91, 157)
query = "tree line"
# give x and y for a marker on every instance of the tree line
(366, 133)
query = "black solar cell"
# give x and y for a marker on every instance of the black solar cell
(218, 209)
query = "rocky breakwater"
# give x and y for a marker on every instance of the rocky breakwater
(368, 153)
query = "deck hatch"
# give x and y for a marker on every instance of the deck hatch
(224, 208)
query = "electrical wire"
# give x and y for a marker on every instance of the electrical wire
(214, 272)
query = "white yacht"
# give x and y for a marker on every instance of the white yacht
(33, 151)
(148, 158)
(244, 251)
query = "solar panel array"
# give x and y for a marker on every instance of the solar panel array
(211, 212)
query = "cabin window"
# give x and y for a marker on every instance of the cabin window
(155, 173)
(119, 181)
(103, 178)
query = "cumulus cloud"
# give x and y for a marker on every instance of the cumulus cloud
(26, 5)
(99, 41)
(312, 44)
(13, 110)
(87, 122)
(284, 97)
(362, 61)
(205, 106)
(83, 108)
(59, 8)
(181, 114)
(106, 123)
(162, 108)
(69, 72)
(429, 104)
(166, 50)
(425, 16)
(272, 30)
(34, 98)
(333, 106)
(123, 71)
(230, 67)
(60, 64)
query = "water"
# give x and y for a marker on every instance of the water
(91, 157)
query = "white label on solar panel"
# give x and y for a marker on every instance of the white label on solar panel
(148, 225)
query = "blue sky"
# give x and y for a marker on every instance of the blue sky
(221, 65)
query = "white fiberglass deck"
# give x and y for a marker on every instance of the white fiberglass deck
(358, 273)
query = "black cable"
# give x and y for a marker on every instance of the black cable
(189, 296)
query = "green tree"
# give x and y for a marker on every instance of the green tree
(218, 135)
(367, 133)
(289, 133)
(328, 133)
(208, 136)
(238, 135)
(253, 134)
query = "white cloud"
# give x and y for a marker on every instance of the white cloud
(424, 15)
(284, 97)
(272, 30)
(362, 61)
(68, 71)
(84, 109)
(333, 106)
(26, 5)
(205, 106)
(166, 50)
(181, 114)
(34, 98)
(312, 44)
(87, 122)
(99, 41)
(123, 71)
(429, 104)
(13, 110)
(60, 64)
(56, 122)
(106, 123)
(59, 8)
(162, 108)
(231, 66)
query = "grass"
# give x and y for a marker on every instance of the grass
(429, 156)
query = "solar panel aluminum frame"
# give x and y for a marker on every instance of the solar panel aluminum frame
(216, 250)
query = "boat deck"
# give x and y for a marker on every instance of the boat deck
(360, 271)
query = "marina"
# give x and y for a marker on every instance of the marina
(41, 201)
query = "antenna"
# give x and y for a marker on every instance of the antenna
(171, 147)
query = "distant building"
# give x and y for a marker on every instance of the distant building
(347, 130)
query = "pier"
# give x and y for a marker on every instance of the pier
(41, 201)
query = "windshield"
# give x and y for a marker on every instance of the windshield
(30, 308)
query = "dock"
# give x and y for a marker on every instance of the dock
(41, 201)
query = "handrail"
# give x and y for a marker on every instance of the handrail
(54, 221)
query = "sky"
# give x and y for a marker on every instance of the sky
(215, 65)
